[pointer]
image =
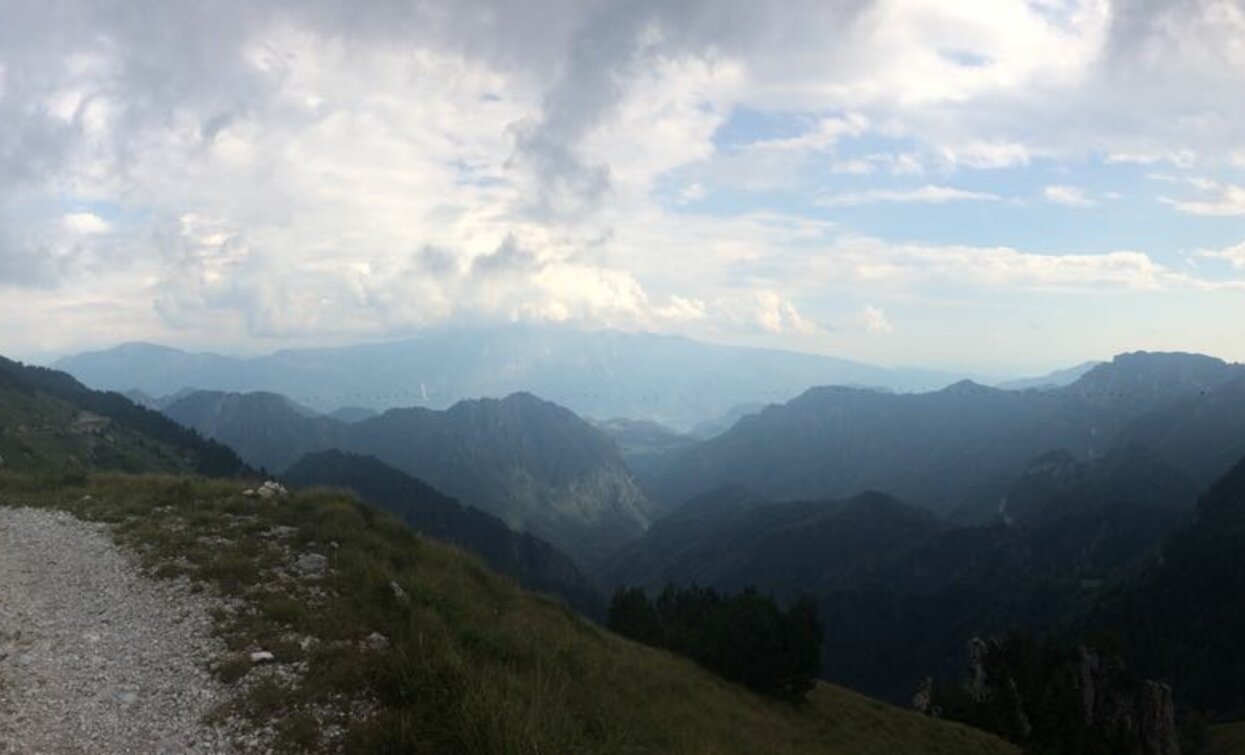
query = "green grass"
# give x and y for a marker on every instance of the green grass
(1226, 739)
(473, 664)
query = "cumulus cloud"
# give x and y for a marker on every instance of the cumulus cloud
(1069, 196)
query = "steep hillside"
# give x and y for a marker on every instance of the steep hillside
(266, 429)
(532, 562)
(1181, 617)
(668, 379)
(50, 422)
(409, 646)
(531, 463)
(961, 447)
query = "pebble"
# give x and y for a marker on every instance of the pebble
(95, 657)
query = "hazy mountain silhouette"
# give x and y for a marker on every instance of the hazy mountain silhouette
(959, 448)
(533, 464)
(669, 379)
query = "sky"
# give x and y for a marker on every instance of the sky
(995, 185)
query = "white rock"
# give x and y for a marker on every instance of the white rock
(262, 656)
(312, 565)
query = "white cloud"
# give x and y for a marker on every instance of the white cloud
(1181, 158)
(766, 311)
(84, 223)
(1070, 196)
(692, 193)
(872, 262)
(1219, 199)
(987, 155)
(928, 194)
(1234, 255)
(858, 167)
(821, 137)
(873, 320)
(286, 170)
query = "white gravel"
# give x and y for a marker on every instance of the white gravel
(95, 657)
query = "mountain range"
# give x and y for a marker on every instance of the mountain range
(532, 562)
(901, 589)
(958, 449)
(531, 463)
(1109, 506)
(676, 381)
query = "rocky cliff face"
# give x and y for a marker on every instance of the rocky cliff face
(1038, 694)
(1113, 700)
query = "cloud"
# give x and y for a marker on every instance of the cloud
(872, 262)
(1069, 196)
(1220, 199)
(928, 194)
(766, 311)
(873, 320)
(987, 155)
(84, 223)
(264, 173)
(1234, 255)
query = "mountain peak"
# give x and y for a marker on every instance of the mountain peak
(968, 387)
(1142, 375)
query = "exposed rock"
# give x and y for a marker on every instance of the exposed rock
(922, 701)
(271, 489)
(262, 656)
(1112, 700)
(376, 642)
(312, 565)
(1102, 699)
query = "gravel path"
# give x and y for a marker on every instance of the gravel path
(94, 656)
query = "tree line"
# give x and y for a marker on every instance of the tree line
(746, 637)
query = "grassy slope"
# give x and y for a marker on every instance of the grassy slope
(36, 434)
(475, 665)
(1226, 739)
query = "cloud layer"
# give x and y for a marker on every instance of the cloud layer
(811, 174)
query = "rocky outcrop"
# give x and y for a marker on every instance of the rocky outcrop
(1113, 700)
(1037, 693)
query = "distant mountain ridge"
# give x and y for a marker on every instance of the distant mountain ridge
(531, 463)
(958, 449)
(673, 380)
